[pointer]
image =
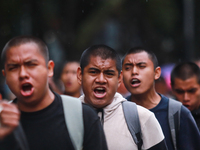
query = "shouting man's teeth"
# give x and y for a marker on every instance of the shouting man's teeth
(99, 90)
(135, 81)
(27, 87)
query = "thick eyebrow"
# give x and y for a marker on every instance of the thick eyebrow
(31, 61)
(130, 64)
(12, 65)
(93, 69)
(26, 62)
(109, 71)
(140, 63)
(192, 89)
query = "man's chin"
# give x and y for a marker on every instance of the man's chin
(99, 103)
(137, 92)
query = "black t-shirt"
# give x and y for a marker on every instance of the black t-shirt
(46, 129)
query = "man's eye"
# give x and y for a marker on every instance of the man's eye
(31, 64)
(142, 66)
(127, 68)
(12, 68)
(179, 92)
(92, 72)
(110, 74)
(192, 91)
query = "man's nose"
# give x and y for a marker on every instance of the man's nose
(23, 72)
(101, 78)
(135, 70)
(186, 97)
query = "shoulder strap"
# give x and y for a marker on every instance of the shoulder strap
(74, 120)
(132, 120)
(174, 112)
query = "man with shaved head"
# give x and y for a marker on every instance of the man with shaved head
(100, 76)
(140, 70)
(185, 82)
(36, 109)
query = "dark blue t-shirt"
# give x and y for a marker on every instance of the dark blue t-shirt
(188, 137)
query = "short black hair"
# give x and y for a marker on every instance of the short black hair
(185, 70)
(19, 40)
(102, 51)
(151, 55)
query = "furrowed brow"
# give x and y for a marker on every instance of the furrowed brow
(140, 63)
(128, 64)
(11, 65)
(31, 61)
(93, 69)
(110, 71)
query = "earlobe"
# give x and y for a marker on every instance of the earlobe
(79, 75)
(50, 68)
(157, 73)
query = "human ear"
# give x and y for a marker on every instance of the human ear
(120, 79)
(157, 73)
(50, 68)
(79, 75)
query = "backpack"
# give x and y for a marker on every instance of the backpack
(174, 111)
(75, 124)
(74, 120)
(72, 108)
(132, 121)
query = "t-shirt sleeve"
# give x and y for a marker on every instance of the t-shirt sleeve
(189, 136)
(152, 135)
(94, 137)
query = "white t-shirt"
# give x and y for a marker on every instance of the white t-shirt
(116, 130)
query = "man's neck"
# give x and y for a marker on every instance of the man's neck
(148, 100)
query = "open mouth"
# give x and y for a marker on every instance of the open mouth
(27, 89)
(100, 92)
(135, 82)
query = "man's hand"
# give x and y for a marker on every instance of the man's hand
(9, 118)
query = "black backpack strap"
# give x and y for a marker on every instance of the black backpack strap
(133, 122)
(21, 138)
(174, 111)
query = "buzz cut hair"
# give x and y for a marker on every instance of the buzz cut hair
(151, 55)
(19, 40)
(102, 51)
(184, 71)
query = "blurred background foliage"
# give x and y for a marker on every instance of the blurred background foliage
(171, 29)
